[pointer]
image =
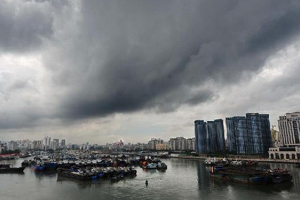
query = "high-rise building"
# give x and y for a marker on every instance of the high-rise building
(209, 136)
(289, 128)
(266, 132)
(215, 136)
(56, 141)
(46, 142)
(250, 134)
(63, 142)
(236, 134)
(220, 139)
(153, 142)
(12, 146)
(178, 144)
(172, 144)
(190, 144)
(201, 137)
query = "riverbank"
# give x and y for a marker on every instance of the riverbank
(241, 158)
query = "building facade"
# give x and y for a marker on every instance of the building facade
(250, 134)
(153, 142)
(164, 146)
(209, 137)
(220, 139)
(289, 128)
(237, 134)
(190, 144)
(288, 152)
(201, 137)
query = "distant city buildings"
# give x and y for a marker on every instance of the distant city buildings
(153, 142)
(178, 144)
(63, 143)
(46, 142)
(12, 146)
(174, 144)
(246, 135)
(250, 134)
(209, 136)
(163, 147)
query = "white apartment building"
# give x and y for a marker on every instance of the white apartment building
(289, 128)
(190, 144)
(153, 142)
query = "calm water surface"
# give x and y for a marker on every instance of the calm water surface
(184, 179)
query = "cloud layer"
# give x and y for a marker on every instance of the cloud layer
(96, 59)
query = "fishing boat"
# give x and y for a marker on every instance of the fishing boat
(79, 175)
(4, 165)
(8, 169)
(279, 175)
(161, 166)
(150, 166)
(51, 165)
(211, 161)
(38, 167)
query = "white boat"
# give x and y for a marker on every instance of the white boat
(211, 161)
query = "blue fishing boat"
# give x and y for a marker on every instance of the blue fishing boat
(38, 167)
(51, 165)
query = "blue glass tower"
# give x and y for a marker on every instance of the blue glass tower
(237, 134)
(254, 145)
(220, 140)
(250, 134)
(211, 137)
(266, 132)
(200, 136)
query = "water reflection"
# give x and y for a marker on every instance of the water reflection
(82, 185)
(203, 176)
(219, 183)
(87, 184)
(46, 173)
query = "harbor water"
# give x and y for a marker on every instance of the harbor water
(184, 179)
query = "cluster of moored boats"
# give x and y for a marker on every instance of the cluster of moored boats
(243, 171)
(89, 173)
(113, 168)
(226, 162)
(153, 164)
(251, 176)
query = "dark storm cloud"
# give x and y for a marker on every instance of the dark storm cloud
(275, 33)
(24, 24)
(106, 57)
(133, 55)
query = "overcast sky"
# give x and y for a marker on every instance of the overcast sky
(99, 71)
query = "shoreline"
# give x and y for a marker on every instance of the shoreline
(251, 159)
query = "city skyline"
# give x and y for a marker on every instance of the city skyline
(134, 70)
(225, 131)
(178, 135)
